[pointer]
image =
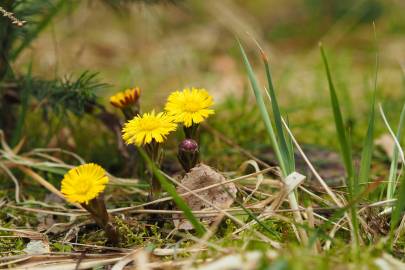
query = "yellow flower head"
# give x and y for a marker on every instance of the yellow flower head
(125, 98)
(191, 106)
(150, 126)
(83, 183)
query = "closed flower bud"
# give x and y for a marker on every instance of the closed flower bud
(188, 154)
(188, 145)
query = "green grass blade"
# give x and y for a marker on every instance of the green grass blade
(290, 145)
(394, 162)
(283, 161)
(345, 147)
(340, 127)
(399, 207)
(168, 187)
(55, 170)
(285, 150)
(367, 152)
(263, 111)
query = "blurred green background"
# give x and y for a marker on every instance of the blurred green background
(166, 46)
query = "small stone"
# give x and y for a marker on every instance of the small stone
(37, 247)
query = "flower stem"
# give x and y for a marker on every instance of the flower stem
(155, 154)
(191, 132)
(96, 207)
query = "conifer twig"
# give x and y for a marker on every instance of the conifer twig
(11, 17)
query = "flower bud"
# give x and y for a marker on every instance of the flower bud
(188, 145)
(188, 154)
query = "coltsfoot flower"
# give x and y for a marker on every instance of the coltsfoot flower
(143, 129)
(125, 98)
(84, 183)
(190, 106)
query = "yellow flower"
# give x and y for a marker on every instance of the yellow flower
(83, 183)
(125, 98)
(189, 106)
(150, 126)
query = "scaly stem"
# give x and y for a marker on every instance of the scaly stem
(96, 207)
(191, 132)
(155, 154)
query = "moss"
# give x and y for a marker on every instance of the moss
(97, 237)
(129, 236)
(10, 245)
(59, 247)
(17, 218)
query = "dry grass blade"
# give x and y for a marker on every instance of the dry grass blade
(126, 260)
(400, 203)
(311, 167)
(204, 240)
(142, 260)
(14, 179)
(59, 150)
(291, 183)
(387, 262)
(67, 264)
(50, 212)
(24, 233)
(46, 184)
(260, 177)
(398, 145)
(240, 223)
(311, 223)
(124, 209)
(393, 174)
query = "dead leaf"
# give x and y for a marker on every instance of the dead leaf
(199, 177)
